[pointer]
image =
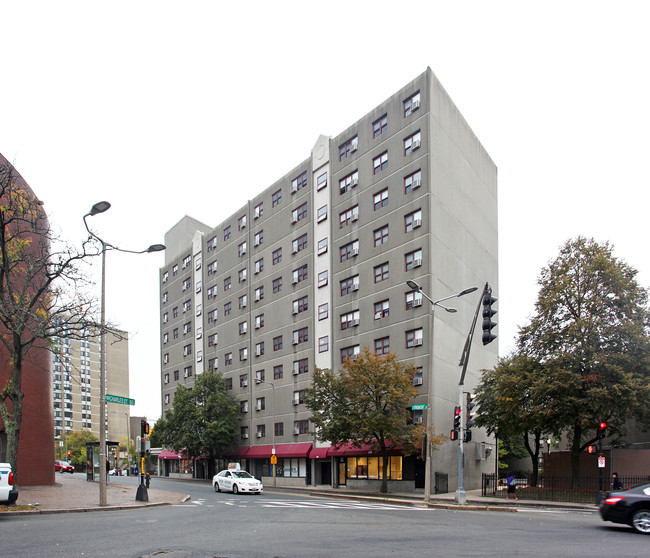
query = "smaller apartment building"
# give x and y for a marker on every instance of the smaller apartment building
(315, 267)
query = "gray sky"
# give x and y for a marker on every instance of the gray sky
(173, 108)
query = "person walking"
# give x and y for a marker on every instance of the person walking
(616, 482)
(512, 487)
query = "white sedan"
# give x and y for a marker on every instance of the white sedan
(236, 481)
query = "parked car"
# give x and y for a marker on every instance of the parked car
(631, 507)
(233, 480)
(8, 494)
(118, 472)
(63, 466)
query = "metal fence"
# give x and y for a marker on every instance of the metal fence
(442, 485)
(556, 488)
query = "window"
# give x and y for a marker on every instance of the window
(347, 183)
(187, 328)
(277, 285)
(187, 283)
(243, 301)
(277, 343)
(350, 352)
(379, 126)
(243, 354)
(412, 220)
(166, 361)
(412, 143)
(276, 198)
(241, 223)
(242, 275)
(198, 263)
(299, 397)
(299, 274)
(413, 338)
(259, 210)
(382, 309)
(300, 427)
(243, 380)
(241, 249)
(299, 244)
(212, 340)
(165, 277)
(346, 149)
(277, 256)
(244, 432)
(349, 285)
(348, 216)
(381, 272)
(175, 333)
(382, 346)
(413, 259)
(259, 293)
(175, 312)
(199, 285)
(299, 214)
(260, 404)
(322, 246)
(299, 182)
(187, 306)
(187, 350)
(243, 406)
(321, 181)
(350, 319)
(301, 335)
(323, 344)
(300, 305)
(259, 238)
(418, 376)
(259, 349)
(175, 270)
(259, 321)
(227, 308)
(167, 378)
(279, 428)
(380, 162)
(278, 372)
(411, 104)
(212, 267)
(212, 244)
(321, 214)
(176, 375)
(227, 359)
(167, 399)
(187, 260)
(381, 235)
(226, 233)
(228, 384)
(323, 311)
(349, 251)
(226, 283)
(322, 279)
(165, 317)
(412, 181)
(380, 199)
(259, 265)
(243, 328)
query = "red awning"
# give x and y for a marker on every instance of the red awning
(350, 450)
(166, 454)
(259, 451)
(281, 450)
(319, 453)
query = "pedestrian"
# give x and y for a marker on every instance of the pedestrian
(147, 479)
(512, 487)
(616, 482)
(108, 468)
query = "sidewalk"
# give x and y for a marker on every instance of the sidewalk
(74, 493)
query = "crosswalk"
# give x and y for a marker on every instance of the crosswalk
(245, 502)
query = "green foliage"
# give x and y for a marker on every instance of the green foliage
(367, 402)
(74, 442)
(203, 420)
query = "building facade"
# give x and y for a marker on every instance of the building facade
(75, 384)
(315, 267)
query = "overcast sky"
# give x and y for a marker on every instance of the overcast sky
(168, 109)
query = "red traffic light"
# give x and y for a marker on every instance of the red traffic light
(602, 425)
(69, 453)
(457, 411)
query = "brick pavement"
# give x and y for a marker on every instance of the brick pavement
(74, 492)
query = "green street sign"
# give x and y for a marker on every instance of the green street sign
(420, 407)
(119, 399)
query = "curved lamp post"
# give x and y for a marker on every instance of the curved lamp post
(427, 462)
(101, 207)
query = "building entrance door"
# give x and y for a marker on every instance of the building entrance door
(342, 473)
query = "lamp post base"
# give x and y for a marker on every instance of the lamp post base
(461, 497)
(141, 495)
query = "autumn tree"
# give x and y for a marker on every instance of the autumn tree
(203, 420)
(75, 442)
(366, 402)
(41, 292)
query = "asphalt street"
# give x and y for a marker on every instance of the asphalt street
(285, 524)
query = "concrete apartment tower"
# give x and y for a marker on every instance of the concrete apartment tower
(315, 267)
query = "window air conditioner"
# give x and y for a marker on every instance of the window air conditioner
(417, 223)
(354, 182)
(294, 250)
(355, 287)
(257, 243)
(354, 323)
(417, 302)
(294, 220)
(296, 371)
(296, 402)
(417, 420)
(259, 434)
(258, 352)
(417, 262)
(416, 145)
(295, 341)
(244, 436)
(355, 217)
(244, 357)
(417, 381)
(294, 188)
(417, 342)
(354, 147)
(415, 105)
(258, 407)
(377, 315)
(244, 384)
(355, 252)
(416, 184)
(296, 431)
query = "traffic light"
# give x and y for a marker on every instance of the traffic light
(69, 454)
(456, 418)
(453, 435)
(469, 421)
(488, 312)
(144, 428)
(590, 449)
(602, 427)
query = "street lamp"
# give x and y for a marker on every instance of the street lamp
(427, 462)
(259, 381)
(101, 207)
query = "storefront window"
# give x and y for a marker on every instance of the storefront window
(294, 467)
(372, 467)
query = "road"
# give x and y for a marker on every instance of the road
(283, 524)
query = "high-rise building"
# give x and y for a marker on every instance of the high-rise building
(75, 384)
(315, 267)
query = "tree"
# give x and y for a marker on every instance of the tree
(75, 442)
(203, 420)
(367, 402)
(41, 292)
(588, 340)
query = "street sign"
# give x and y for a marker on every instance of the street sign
(420, 407)
(274, 460)
(601, 462)
(119, 399)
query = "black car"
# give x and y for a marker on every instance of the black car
(631, 507)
